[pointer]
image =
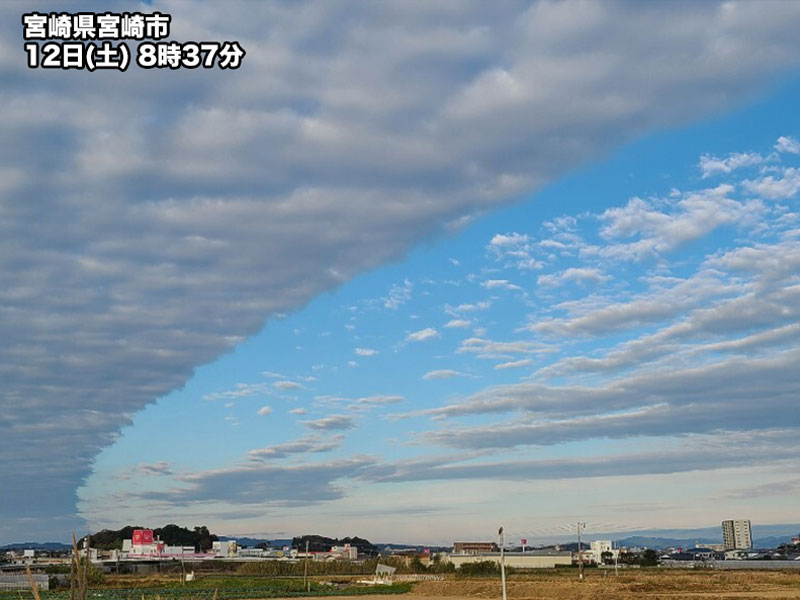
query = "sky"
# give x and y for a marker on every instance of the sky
(413, 271)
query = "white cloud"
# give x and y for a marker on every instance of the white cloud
(379, 400)
(422, 335)
(711, 165)
(442, 374)
(787, 144)
(514, 364)
(398, 295)
(660, 230)
(264, 411)
(491, 349)
(333, 422)
(502, 284)
(576, 274)
(298, 411)
(287, 385)
(457, 324)
(776, 188)
(366, 351)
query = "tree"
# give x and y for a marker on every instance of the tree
(649, 558)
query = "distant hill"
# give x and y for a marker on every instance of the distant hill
(171, 535)
(57, 546)
(320, 543)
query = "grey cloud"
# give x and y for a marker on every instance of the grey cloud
(761, 388)
(181, 209)
(330, 423)
(598, 316)
(309, 443)
(730, 450)
(264, 484)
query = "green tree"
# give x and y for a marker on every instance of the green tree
(649, 558)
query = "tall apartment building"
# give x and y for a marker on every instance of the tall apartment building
(737, 534)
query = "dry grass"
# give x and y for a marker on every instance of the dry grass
(79, 572)
(649, 585)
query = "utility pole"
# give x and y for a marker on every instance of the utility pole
(502, 561)
(580, 554)
(616, 559)
(305, 571)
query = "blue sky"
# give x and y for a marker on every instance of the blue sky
(408, 273)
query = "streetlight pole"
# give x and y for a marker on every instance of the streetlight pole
(502, 562)
(305, 570)
(580, 554)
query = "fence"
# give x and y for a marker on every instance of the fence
(21, 582)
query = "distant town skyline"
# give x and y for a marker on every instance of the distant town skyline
(410, 273)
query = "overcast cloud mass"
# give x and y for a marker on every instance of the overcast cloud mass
(151, 221)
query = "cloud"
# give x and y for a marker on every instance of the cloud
(288, 385)
(485, 348)
(146, 470)
(776, 188)
(333, 422)
(693, 215)
(787, 144)
(514, 249)
(309, 443)
(422, 335)
(665, 300)
(264, 411)
(298, 411)
(241, 390)
(500, 284)
(366, 351)
(457, 324)
(442, 374)
(711, 165)
(467, 307)
(575, 274)
(734, 394)
(398, 295)
(379, 400)
(696, 453)
(220, 201)
(514, 364)
(262, 483)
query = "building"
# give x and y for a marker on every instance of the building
(474, 547)
(225, 548)
(737, 534)
(599, 547)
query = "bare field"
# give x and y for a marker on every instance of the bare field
(646, 584)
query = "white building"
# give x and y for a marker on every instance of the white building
(598, 547)
(346, 552)
(737, 534)
(225, 549)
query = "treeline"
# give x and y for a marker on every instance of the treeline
(320, 543)
(172, 535)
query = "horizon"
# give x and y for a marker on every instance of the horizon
(760, 531)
